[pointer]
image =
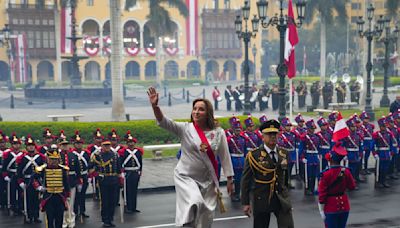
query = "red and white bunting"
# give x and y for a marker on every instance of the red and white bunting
(171, 50)
(91, 45)
(66, 30)
(107, 44)
(192, 28)
(341, 130)
(132, 50)
(151, 51)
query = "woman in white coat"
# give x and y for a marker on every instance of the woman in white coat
(196, 175)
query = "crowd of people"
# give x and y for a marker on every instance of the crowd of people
(262, 162)
(54, 177)
(234, 97)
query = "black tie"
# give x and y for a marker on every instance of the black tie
(273, 156)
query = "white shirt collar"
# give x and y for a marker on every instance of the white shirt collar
(269, 151)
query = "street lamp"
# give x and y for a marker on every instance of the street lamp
(389, 37)
(281, 22)
(246, 35)
(370, 33)
(6, 42)
(254, 50)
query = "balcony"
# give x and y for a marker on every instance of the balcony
(13, 6)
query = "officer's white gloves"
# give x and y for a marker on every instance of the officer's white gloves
(304, 160)
(79, 187)
(22, 185)
(6, 178)
(376, 156)
(321, 211)
(41, 189)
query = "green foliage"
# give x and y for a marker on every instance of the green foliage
(349, 112)
(146, 131)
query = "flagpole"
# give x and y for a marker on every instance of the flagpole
(290, 99)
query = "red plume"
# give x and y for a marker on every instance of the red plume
(76, 132)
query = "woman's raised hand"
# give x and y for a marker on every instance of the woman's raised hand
(153, 96)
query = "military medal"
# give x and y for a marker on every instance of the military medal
(203, 147)
(263, 153)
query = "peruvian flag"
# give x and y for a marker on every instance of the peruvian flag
(341, 130)
(291, 40)
(66, 30)
(192, 28)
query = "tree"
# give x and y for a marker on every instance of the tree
(326, 10)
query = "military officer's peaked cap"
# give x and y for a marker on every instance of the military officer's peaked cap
(271, 126)
(53, 152)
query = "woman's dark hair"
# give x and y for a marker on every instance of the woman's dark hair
(210, 122)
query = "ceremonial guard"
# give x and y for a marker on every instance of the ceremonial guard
(216, 97)
(238, 102)
(47, 141)
(382, 141)
(3, 183)
(252, 139)
(325, 139)
(107, 164)
(237, 149)
(309, 154)
(27, 164)
(327, 94)
(300, 131)
(263, 178)
(94, 149)
(262, 120)
(353, 146)
(368, 142)
(114, 139)
(228, 97)
(229, 131)
(394, 150)
(332, 117)
(84, 179)
(287, 141)
(70, 160)
(15, 203)
(315, 92)
(396, 117)
(333, 202)
(51, 180)
(131, 162)
(301, 90)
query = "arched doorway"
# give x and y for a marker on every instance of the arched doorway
(229, 72)
(171, 70)
(132, 70)
(92, 71)
(4, 71)
(212, 70)
(148, 38)
(150, 70)
(107, 70)
(106, 28)
(193, 69)
(131, 36)
(65, 70)
(90, 28)
(45, 71)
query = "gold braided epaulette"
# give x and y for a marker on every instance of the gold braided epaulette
(255, 165)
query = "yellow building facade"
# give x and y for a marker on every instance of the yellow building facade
(218, 54)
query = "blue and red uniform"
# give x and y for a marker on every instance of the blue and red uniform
(368, 142)
(352, 144)
(383, 140)
(325, 138)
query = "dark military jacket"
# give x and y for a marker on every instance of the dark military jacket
(262, 177)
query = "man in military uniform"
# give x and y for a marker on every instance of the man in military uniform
(332, 117)
(396, 117)
(315, 92)
(229, 131)
(287, 141)
(299, 132)
(333, 202)
(47, 141)
(70, 160)
(228, 97)
(83, 160)
(326, 139)
(107, 164)
(352, 144)
(301, 90)
(252, 139)
(382, 141)
(94, 149)
(327, 94)
(394, 150)
(368, 142)
(238, 102)
(275, 97)
(131, 162)
(10, 175)
(51, 180)
(263, 177)
(27, 163)
(237, 149)
(262, 120)
(309, 153)
(3, 183)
